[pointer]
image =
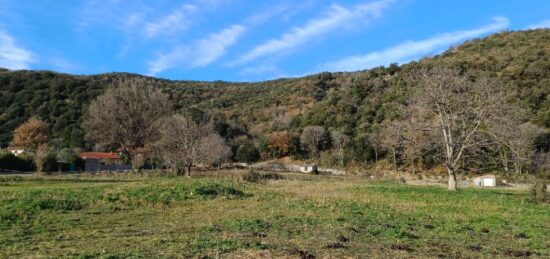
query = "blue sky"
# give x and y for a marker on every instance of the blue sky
(245, 40)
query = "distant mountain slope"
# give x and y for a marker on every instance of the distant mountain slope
(521, 59)
(61, 98)
(350, 101)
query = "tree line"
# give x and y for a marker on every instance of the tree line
(455, 118)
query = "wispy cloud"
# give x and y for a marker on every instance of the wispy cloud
(201, 53)
(207, 50)
(413, 49)
(541, 25)
(11, 55)
(336, 17)
(177, 21)
(64, 65)
(267, 67)
(100, 12)
(214, 46)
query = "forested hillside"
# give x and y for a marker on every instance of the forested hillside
(521, 59)
(355, 103)
(61, 99)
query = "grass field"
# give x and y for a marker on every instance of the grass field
(119, 216)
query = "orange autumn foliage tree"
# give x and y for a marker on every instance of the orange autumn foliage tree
(31, 134)
(279, 143)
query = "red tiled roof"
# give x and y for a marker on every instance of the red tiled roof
(99, 155)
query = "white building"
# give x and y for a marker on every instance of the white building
(16, 150)
(308, 168)
(488, 180)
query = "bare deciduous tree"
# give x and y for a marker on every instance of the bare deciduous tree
(339, 142)
(392, 138)
(312, 138)
(517, 144)
(216, 148)
(127, 116)
(375, 140)
(41, 153)
(463, 107)
(542, 161)
(417, 137)
(184, 143)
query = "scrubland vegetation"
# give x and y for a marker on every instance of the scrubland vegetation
(300, 216)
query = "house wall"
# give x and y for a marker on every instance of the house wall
(95, 165)
(17, 151)
(91, 165)
(485, 181)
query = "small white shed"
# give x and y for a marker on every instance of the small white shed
(488, 180)
(16, 150)
(308, 168)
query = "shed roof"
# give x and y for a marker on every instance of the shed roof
(486, 176)
(15, 148)
(100, 155)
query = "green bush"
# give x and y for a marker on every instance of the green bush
(247, 153)
(214, 190)
(252, 176)
(167, 195)
(51, 165)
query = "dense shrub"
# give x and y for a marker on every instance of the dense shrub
(540, 192)
(247, 153)
(9, 161)
(253, 176)
(51, 165)
(279, 144)
(214, 190)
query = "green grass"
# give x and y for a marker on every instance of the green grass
(120, 216)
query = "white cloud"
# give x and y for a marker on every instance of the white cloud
(11, 55)
(260, 69)
(413, 49)
(201, 53)
(336, 17)
(541, 25)
(162, 63)
(214, 46)
(177, 21)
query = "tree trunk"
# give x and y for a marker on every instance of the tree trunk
(452, 179)
(504, 157)
(179, 171)
(188, 170)
(394, 160)
(375, 157)
(341, 157)
(517, 167)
